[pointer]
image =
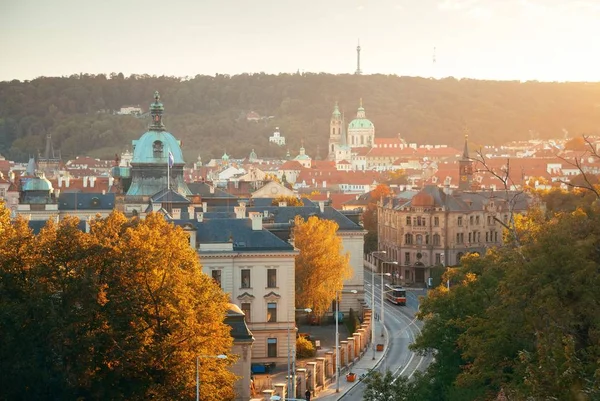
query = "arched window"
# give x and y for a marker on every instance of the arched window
(436, 239)
(408, 239)
(419, 239)
(157, 149)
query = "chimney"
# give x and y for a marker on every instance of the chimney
(204, 205)
(324, 184)
(92, 181)
(322, 206)
(191, 212)
(68, 181)
(240, 212)
(200, 217)
(256, 218)
(60, 181)
(212, 189)
(110, 181)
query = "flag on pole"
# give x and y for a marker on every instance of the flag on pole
(171, 159)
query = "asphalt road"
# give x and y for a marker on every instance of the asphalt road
(402, 328)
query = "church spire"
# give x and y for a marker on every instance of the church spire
(156, 111)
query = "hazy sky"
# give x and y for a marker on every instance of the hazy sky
(550, 40)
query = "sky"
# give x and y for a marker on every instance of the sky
(544, 40)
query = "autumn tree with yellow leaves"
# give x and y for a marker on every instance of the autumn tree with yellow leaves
(118, 313)
(322, 266)
(289, 200)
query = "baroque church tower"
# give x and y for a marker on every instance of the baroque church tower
(335, 131)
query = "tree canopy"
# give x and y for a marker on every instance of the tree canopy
(208, 113)
(321, 266)
(118, 313)
(519, 321)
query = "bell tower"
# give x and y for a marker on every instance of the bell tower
(465, 166)
(335, 132)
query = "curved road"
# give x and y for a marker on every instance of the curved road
(402, 328)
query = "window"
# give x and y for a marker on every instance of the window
(419, 239)
(496, 236)
(470, 237)
(487, 236)
(477, 220)
(436, 221)
(2, 193)
(272, 347)
(489, 220)
(245, 278)
(426, 239)
(460, 221)
(157, 149)
(408, 220)
(408, 239)
(471, 220)
(438, 258)
(271, 278)
(216, 275)
(246, 308)
(407, 258)
(271, 312)
(460, 238)
(436, 239)
(478, 236)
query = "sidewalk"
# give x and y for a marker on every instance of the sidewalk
(361, 367)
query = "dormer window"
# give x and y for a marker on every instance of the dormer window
(157, 149)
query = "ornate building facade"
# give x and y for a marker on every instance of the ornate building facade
(436, 227)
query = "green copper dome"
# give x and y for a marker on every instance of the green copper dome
(37, 184)
(360, 123)
(154, 146)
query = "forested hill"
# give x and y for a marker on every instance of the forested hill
(208, 113)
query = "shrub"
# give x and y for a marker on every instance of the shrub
(304, 348)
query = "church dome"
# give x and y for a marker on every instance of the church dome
(154, 146)
(37, 184)
(359, 123)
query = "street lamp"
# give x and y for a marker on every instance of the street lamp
(384, 274)
(337, 336)
(373, 302)
(292, 375)
(444, 265)
(198, 370)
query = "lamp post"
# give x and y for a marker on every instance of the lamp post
(292, 374)
(198, 370)
(442, 257)
(337, 336)
(373, 303)
(382, 290)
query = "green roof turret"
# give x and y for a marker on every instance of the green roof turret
(156, 111)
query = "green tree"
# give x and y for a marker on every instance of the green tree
(321, 266)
